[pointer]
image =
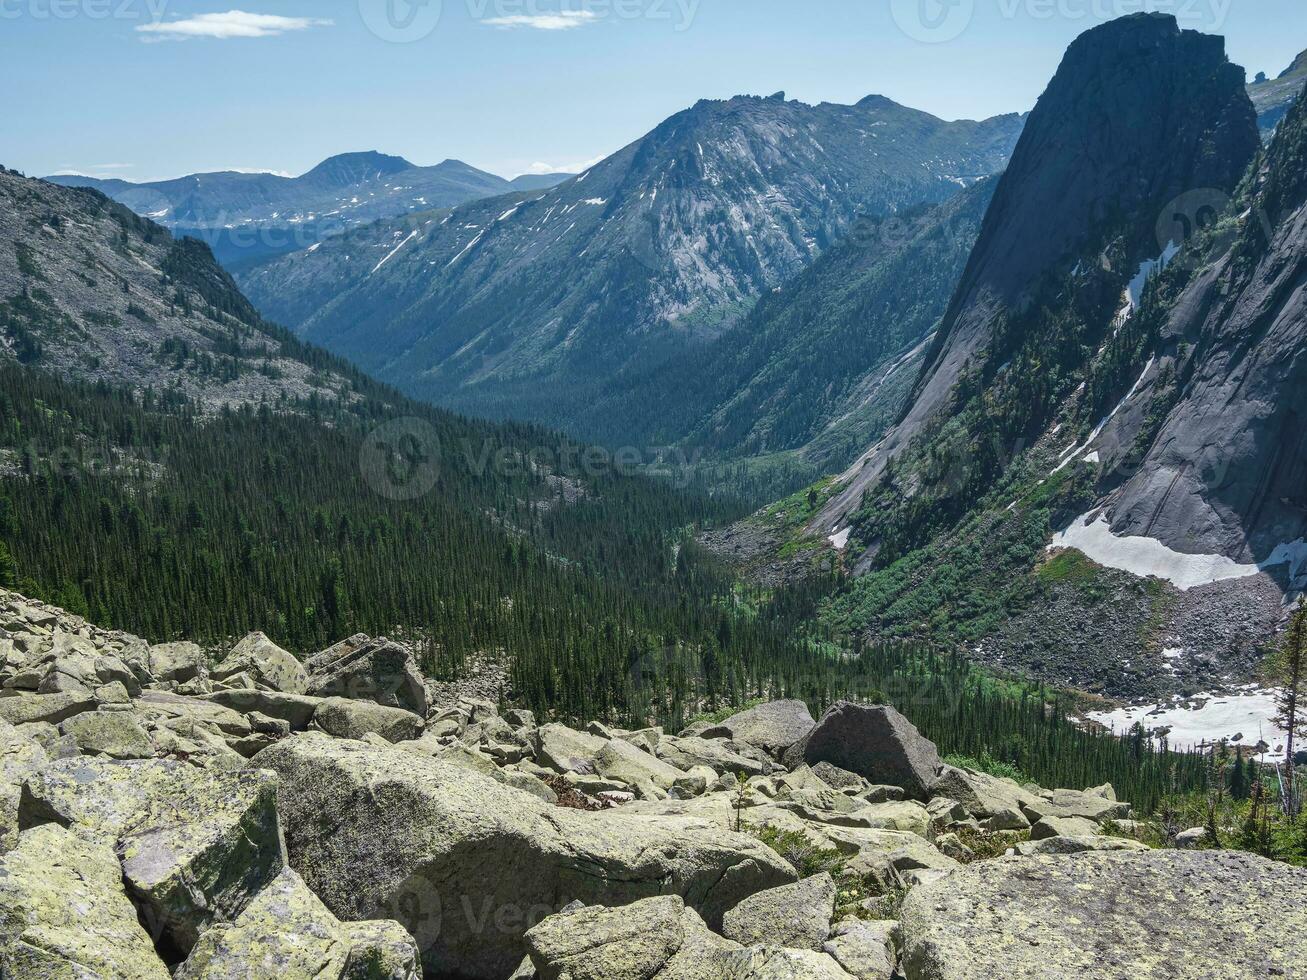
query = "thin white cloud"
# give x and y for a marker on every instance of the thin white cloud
(539, 167)
(233, 23)
(564, 20)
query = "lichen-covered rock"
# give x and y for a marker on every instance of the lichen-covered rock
(703, 955)
(772, 727)
(468, 865)
(1164, 915)
(20, 757)
(564, 749)
(284, 931)
(363, 669)
(1063, 827)
(628, 943)
(354, 719)
(773, 963)
(184, 714)
(199, 852)
(1073, 803)
(179, 662)
(115, 734)
(622, 760)
(797, 916)
(195, 845)
(24, 709)
(296, 710)
(720, 757)
(266, 663)
(873, 741)
(995, 802)
(1077, 845)
(64, 914)
(863, 949)
(380, 950)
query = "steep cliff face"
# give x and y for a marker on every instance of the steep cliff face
(1226, 473)
(1139, 113)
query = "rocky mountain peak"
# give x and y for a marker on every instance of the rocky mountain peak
(345, 169)
(1138, 113)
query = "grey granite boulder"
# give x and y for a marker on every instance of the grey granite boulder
(1164, 915)
(873, 741)
(468, 865)
(364, 669)
(796, 916)
(772, 727)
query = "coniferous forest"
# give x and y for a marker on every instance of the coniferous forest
(143, 514)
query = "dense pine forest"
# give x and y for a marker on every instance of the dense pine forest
(142, 514)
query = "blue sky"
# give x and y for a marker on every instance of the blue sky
(145, 89)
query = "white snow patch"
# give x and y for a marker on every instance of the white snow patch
(314, 247)
(1239, 719)
(840, 539)
(411, 235)
(1149, 557)
(1071, 454)
(598, 201)
(466, 247)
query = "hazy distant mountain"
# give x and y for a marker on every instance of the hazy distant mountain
(247, 216)
(1272, 97)
(526, 306)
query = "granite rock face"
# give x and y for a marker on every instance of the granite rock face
(1164, 915)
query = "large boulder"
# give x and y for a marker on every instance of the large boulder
(296, 710)
(354, 719)
(64, 913)
(797, 916)
(873, 741)
(996, 802)
(195, 845)
(116, 734)
(721, 757)
(564, 749)
(863, 949)
(20, 757)
(1070, 803)
(27, 709)
(468, 865)
(364, 669)
(595, 943)
(286, 932)
(623, 761)
(1164, 915)
(772, 727)
(266, 663)
(778, 963)
(179, 662)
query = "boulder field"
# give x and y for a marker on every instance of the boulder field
(167, 811)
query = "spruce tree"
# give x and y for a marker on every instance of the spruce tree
(1289, 669)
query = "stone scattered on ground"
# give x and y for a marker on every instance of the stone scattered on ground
(164, 812)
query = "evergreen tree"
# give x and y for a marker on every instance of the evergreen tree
(1288, 666)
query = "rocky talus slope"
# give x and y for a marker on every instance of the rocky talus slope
(164, 812)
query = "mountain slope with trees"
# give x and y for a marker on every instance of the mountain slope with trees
(525, 306)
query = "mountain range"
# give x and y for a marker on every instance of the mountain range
(245, 217)
(524, 306)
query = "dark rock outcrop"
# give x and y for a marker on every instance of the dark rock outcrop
(873, 741)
